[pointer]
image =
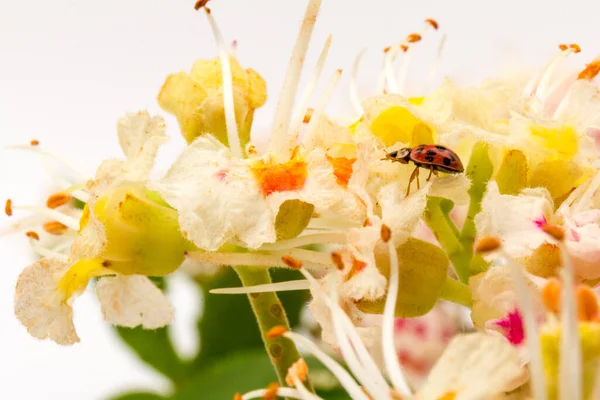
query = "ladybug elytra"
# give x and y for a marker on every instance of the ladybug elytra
(429, 156)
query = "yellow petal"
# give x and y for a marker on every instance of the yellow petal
(395, 124)
(75, 280)
(558, 176)
(512, 174)
(562, 141)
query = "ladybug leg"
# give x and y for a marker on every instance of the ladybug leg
(415, 174)
(431, 171)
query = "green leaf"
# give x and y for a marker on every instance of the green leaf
(139, 396)
(241, 371)
(155, 348)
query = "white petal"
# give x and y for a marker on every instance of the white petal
(91, 240)
(475, 366)
(133, 301)
(216, 197)
(452, 188)
(38, 306)
(136, 129)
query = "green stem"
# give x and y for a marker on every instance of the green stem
(445, 232)
(456, 292)
(270, 313)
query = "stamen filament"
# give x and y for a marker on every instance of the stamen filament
(387, 340)
(336, 369)
(381, 79)
(585, 199)
(70, 222)
(281, 392)
(330, 223)
(45, 252)
(390, 77)
(301, 110)
(408, 55)
(436, 64)
(570, 373)
(43, 152)
(546, 78)
(312, 259)
(299, 241)
(525, 303)
(319, 110)
(299, 284)
(354, 97)
(229, 105)
(303, 391)
(279, 144)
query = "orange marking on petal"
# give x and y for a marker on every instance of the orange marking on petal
(448, 396)
(288, 176)
(587, 303)
(357, 266)
(342, 169)
(551, 295)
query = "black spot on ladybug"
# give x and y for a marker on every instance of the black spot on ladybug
(447, 161)
(441, 148)
(431, 152)
(429, 158)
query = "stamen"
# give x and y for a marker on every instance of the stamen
(298, 370)
(387, 329)
(330, 223)
(337, 260)
(275, 332)
(32, 235)
(299, 241)
(390, 57)
(271, 391)
(8, 208)
(319, 110)
(43, 152)
(34, 142)
(200, 3)
(354, 97)
(281, 392)
(44, 252)
(313, 259)
(586, 197)
(303, 391)
(285, 286)
(237, 396)
(525, 303)
(555, 231)
(412, 38)
(58, 199)
(386, 233)
(291, 262)
(381, 79)
(279, 141)
(70, 222)
(308, 115)
(55, 228)
(551, 295)
(300, 113)
(591, 70)
(433, 23)
(436, 64)
(587, 303)
(487, 244)
(546, 78)
(229, 105)
(336, 369)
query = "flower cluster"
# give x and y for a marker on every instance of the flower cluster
(327, 199)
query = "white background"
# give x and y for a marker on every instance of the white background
(69, 68)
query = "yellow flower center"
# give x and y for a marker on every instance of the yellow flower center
(397, 124)
(562, 141)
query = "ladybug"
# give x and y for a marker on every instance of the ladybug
(430, 156)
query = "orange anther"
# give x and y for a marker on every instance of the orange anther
(386, 233)
(551, 295)
(271, 391)
(575, 47)
(433, 23)
(487, 244)
(590, 71)
(563, 46)
(413, 38)
(587, 303)
(337, 260)
(57, 200)
(291, 262)
(200, 3)
(555, 231)
(308, 115)
(8, 207)
(32, 235)
(55, 228)
(386, 49)
(238, 396)
(276, 331)
(404, 47)
(298, 370)
(34, 142)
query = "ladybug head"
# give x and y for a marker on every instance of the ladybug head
(401, 156)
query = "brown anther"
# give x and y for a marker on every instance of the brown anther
(413, 38)
(308, 115)
(337, 260)
(388, 48)
(238, 396)
(298, 370)
(367, 223)
(276, 331)
(8, 207)
(199, 4)
(271, 391)
(291, 262)
(575, 47)
(251, 150)
(433, 23)
(386, 233)
(106, 263)
(404, 47)
(590, 71)
(58, 199)
(551, 295)
(395, 395)
(487, 244)
(555, 231)
(34, 142)
(55, 228)
(32, 235)
(587, 303)
(563, 46)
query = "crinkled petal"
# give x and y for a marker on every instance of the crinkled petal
(132, 301)
(216, 197)
(475, 366)
(136, 129)
(39, 307)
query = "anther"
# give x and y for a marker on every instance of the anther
(271, 391)
(34, 142)
(433, 23)
(563, 46)
(487, 244)
(55, 228)
(575, 47)
(238, 396)
(8, 207)
(587, 303)
(298, 370)
(57, 200)
(590, 71)
(386, 233)
(291, 262)
(413, 38)
(276, 331)
(404, 47)
(106, 263)
(388, 48)
(32, 235)
(337, 260)
(199, 4)
(551, 295)
(308, 115)
(555, 231)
